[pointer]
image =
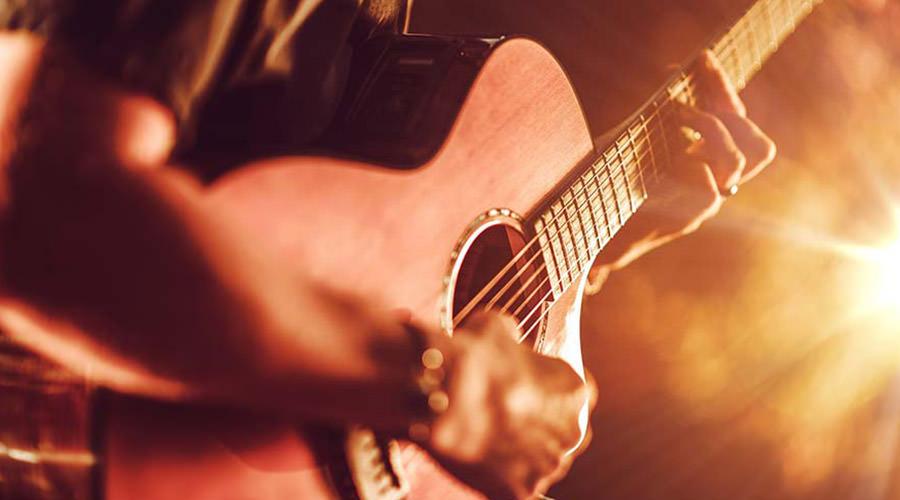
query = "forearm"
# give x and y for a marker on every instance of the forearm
(150, 293)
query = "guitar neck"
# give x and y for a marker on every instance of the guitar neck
(745, 47)
(609, 188)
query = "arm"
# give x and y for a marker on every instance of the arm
(111, 265)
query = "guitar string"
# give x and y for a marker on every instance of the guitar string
(610, 185)
(544, 282)
(589, 203)
(686, 80)
(541, 285)
(579, 239)
(760, 17)
(754, 67)
(577, 242)
(528, 284)
(732, 38)
(613, 187)
(584, 244)
(476, 300)
(743, 33)
(517, 258)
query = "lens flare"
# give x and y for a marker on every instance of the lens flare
(888, 290)
(881, 289)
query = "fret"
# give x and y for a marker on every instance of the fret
(616, 174)
(638, 149)
(595, 194)
(807, 6)
(620, 186)
(540, 227)
(728, 56)
(587, 218)
(774, 16)
(742, 51)
(661, 129)
(786, 26)
(792, 15)
(752, 37)
(766, 30)
(771, 37)
(744, 64)
(574, 255)
(562, 268)
(608, 196)
(568, 263)
(746, 46)
(609, 191)
(575, 227)
(794, 7)
(649, 139)
(658, 127)
(621, 144)
(676, 89)
(634, 133)
(632, 181)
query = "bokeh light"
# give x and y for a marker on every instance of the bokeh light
(888, 288)
(879, 290)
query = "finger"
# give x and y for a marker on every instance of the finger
(560, 376)
(561, 471)
(491, 322)
(717, 147)
(757, 147)
(716, 91)
(597, 276)
(699, 197)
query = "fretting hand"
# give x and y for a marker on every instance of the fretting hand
(732, 151)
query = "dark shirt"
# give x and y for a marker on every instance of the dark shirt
(199, 55)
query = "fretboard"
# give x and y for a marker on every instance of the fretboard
(610, 188)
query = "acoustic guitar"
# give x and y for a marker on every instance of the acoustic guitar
(498, 199)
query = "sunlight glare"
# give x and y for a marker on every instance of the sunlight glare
(888, 293)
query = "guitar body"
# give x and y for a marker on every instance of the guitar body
(422, 238)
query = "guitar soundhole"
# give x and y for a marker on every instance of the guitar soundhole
(497, 274)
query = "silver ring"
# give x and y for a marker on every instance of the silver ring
(729, 192)
(691, 136)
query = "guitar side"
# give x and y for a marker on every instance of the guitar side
(386, 235)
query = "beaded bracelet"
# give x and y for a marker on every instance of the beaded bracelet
(429, 381)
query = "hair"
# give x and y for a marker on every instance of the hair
(387, 12)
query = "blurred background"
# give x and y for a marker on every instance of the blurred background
(759, 358)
